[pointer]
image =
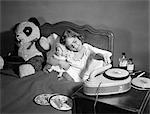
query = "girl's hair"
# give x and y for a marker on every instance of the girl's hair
(70, 33)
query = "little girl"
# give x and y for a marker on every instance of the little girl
(83, 67)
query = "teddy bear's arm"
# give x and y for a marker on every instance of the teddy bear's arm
(39, 45)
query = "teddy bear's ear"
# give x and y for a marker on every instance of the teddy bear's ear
(35, 21)
(15, 27)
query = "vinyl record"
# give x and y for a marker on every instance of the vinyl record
(141, 83)
(116, 74)
(43, 99)
(61, 102)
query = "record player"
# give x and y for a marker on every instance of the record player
(113, 81)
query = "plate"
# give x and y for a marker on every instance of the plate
(141, 82)
(43, 99)
(61, 102)
(116, 73)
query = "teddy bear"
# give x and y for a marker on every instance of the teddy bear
(31, 46)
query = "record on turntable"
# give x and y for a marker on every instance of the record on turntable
(141, 83)
(116, 74)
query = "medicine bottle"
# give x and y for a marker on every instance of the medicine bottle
(130, 65)
(123, 61)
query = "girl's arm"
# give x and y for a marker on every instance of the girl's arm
(106, 54)
(99, 70)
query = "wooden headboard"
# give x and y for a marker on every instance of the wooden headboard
(97, 37)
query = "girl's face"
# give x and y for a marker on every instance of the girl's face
(74, 44)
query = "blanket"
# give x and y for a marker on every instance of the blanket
(17, 94)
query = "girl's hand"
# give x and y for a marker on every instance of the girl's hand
(107, 59)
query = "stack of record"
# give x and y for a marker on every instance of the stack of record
(141, 83)
(57, 101)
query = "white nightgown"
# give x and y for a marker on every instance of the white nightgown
(78, 65)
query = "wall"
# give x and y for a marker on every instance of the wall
(127, 19)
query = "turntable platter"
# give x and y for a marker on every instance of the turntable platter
(117, 73)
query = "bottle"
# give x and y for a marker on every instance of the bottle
(130, 65)
(123, 61)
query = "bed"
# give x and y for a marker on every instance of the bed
(17, 94)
